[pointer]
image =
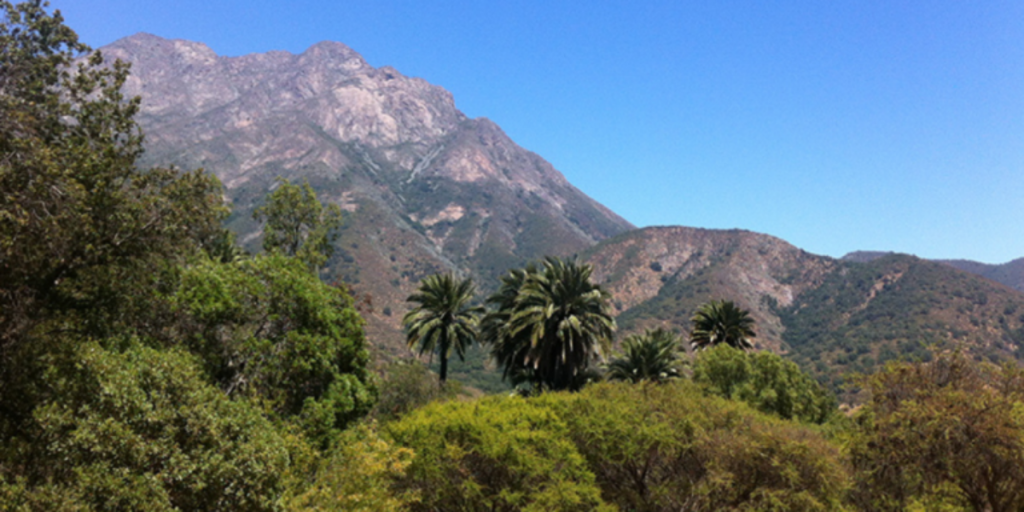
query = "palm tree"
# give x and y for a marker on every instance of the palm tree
(721, 322)
(443, 319)
(652, 356)
(507, 351)
(549, 324)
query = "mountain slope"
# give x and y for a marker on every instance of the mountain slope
(1010, 274)
(831, 316)
(425, 188)
(660, 275)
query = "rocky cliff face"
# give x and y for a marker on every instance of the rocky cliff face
(426, 188)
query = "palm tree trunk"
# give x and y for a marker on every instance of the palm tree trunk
(444, 364)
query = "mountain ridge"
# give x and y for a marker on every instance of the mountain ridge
(1010, 273)
(426, 189)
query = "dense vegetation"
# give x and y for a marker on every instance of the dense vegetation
(149, 363)
(895, 308)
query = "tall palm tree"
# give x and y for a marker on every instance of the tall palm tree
(722, 322)
(550, 323)
(653, 356)
(506, 350)
(443, 318)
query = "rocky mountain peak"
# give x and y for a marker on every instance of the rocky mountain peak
(426, 188)
(335, 56)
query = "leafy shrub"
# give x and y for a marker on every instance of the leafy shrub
(944, 434)
(670, 448)
(764, 380)
(494, 454)
(358, 475)
(140, 429)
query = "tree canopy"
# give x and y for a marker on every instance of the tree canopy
(146, 363)
(721, 321)
(297, 224)
(651, 356)
(553, 326)
(443, 319)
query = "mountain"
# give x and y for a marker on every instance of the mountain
(1010, 274)
(831, 316)
(660, 275)
(425, 188)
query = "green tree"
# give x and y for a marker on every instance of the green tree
(943, 435)
(80, 225)
(507, 350)
(721, 322)
(558, 324)
(764, 380)
(653, 356)
(297, 224)
(444, 318)
(493, 454)
(136, 428)
(267, 328)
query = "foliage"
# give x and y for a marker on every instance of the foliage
(269, 329)
(947, 433)
(297, 224)
(653, 355)
(764, 380)
(666, 447)
(138, 429)
(894, 308)
(406, 386)
(550, 328)
(721, 322)
(443, 319)
(78, 221)
(497, 453)
(358, 476)
(506, 350)
(124, 305)
(646, 447)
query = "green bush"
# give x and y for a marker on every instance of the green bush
(634, 446)
(268, 328)
(948, 434)
(357, 476)
(764, 380)
(494, 454)
(668, 448)
(140, 429)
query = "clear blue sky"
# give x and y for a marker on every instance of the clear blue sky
(837, 126)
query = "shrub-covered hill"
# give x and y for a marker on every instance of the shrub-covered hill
(831, 316)
(865, 314)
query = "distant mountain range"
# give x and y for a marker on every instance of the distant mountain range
(427, 189)
(1011, 273)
